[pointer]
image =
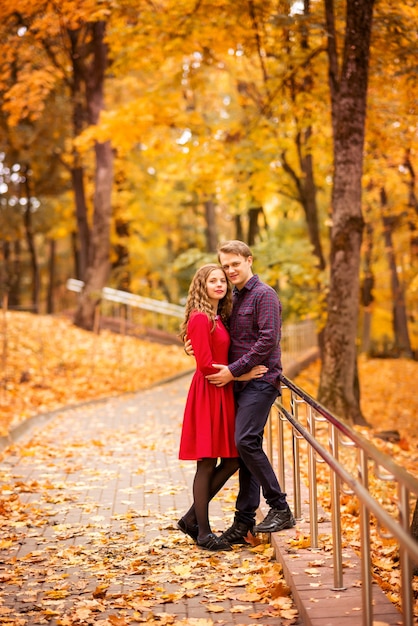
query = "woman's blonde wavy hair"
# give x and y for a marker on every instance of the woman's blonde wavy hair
(197, 299)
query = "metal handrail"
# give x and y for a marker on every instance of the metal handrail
(296, 338)
(357, 482)
(131, 299)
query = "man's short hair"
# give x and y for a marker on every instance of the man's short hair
(234, 246)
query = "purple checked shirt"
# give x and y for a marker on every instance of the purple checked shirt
(255, 328)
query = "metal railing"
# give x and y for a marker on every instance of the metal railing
(296, 338)
(161, 314)
(131, 299)
(356, 468)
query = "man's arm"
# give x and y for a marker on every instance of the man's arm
(223, 377)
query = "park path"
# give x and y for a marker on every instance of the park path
(88, 503)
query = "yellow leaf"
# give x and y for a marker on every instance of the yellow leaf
(249, 597)
(214, 608)
(239, 608)
(57, 594)
(182, 570)
(312, 571)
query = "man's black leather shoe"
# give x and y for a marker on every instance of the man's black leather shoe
(275, 520)
(237, 533)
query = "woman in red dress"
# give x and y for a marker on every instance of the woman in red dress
(209, 416)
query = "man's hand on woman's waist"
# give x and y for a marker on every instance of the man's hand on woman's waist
(221, 378)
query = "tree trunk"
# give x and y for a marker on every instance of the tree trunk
(306, 194)
(366, 294)
(305, 181)
(399, 320)
(15, 287)
(211, 230)
(30, 239)
(308, 199)
(307, 189)
(97, 272)
(253, 225)
(120, 265)
(10, 272)
(348, 108)
(413, 203)
(74, 250)
(77, 172)
(99, 265)
(51, 277)
(239, 231)
(83, 232)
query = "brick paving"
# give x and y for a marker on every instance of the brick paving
(89, 498)
(310, 575)
(88, 505)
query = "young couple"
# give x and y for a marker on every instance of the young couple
(234, 337)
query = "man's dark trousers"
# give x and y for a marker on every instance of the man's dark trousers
(254, 400)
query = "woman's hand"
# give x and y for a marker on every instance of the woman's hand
(256, 372)
(188, 348)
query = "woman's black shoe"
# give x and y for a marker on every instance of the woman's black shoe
(212, 542)
(187, 529)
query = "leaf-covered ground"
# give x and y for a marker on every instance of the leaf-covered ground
(389, 403)
(88, 511)
(388, 394)
(46, 363)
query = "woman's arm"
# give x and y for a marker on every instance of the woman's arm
(198, 331)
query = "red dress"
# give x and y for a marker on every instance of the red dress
(209, 415)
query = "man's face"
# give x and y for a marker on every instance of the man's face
(237, 268)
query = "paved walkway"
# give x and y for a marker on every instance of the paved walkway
(88, 503)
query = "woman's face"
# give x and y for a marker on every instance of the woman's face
(216, 286)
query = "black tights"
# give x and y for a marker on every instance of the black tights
(208, 480)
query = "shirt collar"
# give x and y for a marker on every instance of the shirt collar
(248, 285)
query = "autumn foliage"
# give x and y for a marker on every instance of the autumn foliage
(48, 363)
(387, 398)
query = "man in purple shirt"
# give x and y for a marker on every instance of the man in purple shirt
(255, 328)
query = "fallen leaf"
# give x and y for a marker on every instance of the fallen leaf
(214, 608)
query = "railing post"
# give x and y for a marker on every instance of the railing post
(336, 515)
(297, 497)
(269, 436)
(281, 459)
(354, 480)
(405, 559)
(365, 543)
(313, 493)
